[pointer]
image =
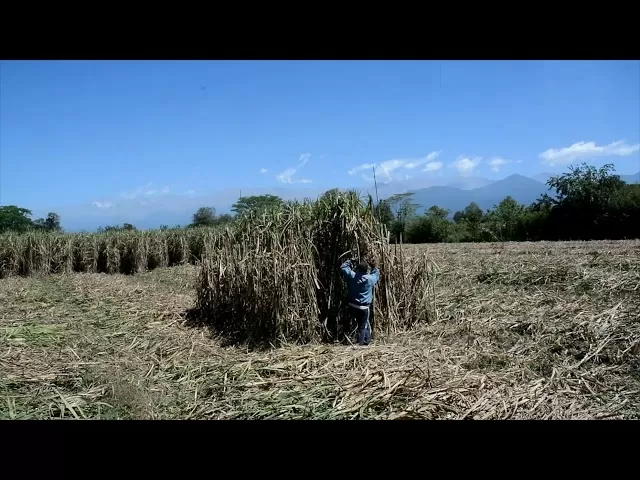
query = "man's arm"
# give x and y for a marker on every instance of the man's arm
(375, 274)
(346, 271)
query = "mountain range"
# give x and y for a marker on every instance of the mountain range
(631, 178)
(453, 195)
(525, 190)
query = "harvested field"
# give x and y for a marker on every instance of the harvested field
(523, 330)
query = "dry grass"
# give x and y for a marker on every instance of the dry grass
(545, 330)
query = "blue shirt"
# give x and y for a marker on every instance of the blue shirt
(360, 285)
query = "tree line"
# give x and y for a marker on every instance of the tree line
(16, 219)
(206, 216)
(588, 204)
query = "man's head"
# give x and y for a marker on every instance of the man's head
(363, 268)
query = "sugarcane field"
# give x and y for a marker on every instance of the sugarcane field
(319, 240)
(250, 329)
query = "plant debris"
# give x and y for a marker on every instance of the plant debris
(118, 346)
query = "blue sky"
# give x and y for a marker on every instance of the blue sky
(88, 136)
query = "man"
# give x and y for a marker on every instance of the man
(360, 285)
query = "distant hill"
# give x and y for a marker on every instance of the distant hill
(635, 178)
(468, 183)
(410, 185)
(452, 193)
(523, 189)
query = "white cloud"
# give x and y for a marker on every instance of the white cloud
(288, 174)
(385, 170)
(496, 163)
(585, 150)
(102, 204)
(360, 168)
(146, 191)
(432, 156)
(466, 165)
(433, 167)
(263, 171)
(190, 192)
(136, 193)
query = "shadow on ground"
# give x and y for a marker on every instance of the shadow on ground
(195, 318)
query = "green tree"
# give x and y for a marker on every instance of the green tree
(334, 192)
(15, 219)
(586, 186)
(49, 224)
(52, 222)
(470, 220)
(441, 226)
(504, 219)
(582, 206)
(255, 204)
(404, 209)
(384, 213)
(204, 217)
(432, 227)
(623, 220)
(437, 212)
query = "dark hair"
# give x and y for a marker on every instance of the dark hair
(363, 267)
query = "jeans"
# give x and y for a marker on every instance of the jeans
(364, 328)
